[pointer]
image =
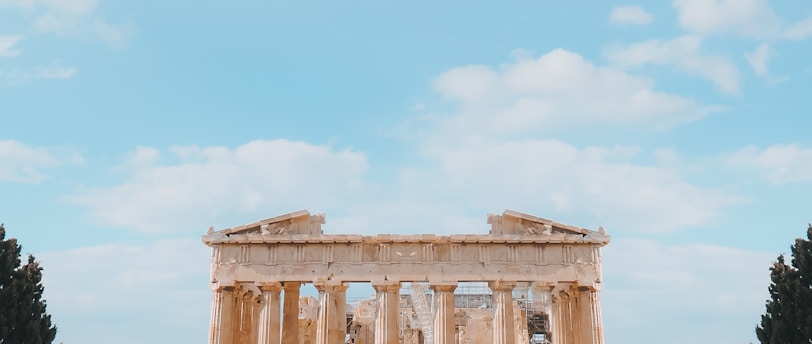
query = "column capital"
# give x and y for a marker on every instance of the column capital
(565, 287)
(386, 286)
(227, 288)
(291, 285)
(501, 285)
(270, 286)
(588, 288)
(386, 319)
(443, 287)
(330, 286)
(543, 285)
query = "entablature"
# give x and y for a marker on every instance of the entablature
(293, 248)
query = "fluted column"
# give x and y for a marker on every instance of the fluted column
(248, 312)
(589, 309)
(341, 314)
(290, 315)
(222, 313)
(331, 327)
(443, 330)
(388, 312)
(503, 331)
(557, 322)
(566, 319)
(268, 332)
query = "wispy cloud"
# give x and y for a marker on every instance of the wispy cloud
(116, 36)
(749, 18)
(780, 163)
(684, 53)
(680, 282)
(799, 30)
(558, 89)
(167, 275)
(55, 71)
(602, 183)
(759, 60)
(630, 15)
(746, 18)
(24, 163)
(500, 128)
(73, 18)
(7, 45)
(210, 181)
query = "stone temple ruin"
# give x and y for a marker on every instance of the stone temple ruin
(529, 281)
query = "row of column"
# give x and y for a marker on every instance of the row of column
(575, 312)
(576, 316)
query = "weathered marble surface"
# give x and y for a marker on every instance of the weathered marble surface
(255, 265)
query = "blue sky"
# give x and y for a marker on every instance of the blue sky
(127, 128)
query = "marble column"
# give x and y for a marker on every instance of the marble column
(331, 326)
(341, 313)
(246, 327)
(387, 313)
(589, 309)
(222, 313)
(268, 332)
(565, 318)
(290, 313)
(443, 330)
(503, 331)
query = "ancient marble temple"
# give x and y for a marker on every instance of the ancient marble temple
(257, 271)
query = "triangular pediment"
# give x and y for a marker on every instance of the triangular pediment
(510, 225)
(514, 222)
(297, 222)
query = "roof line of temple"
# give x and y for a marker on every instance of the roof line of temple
(301, 226)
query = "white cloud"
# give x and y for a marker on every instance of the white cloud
(758, 59)
(23, 163)
(116, 36)
(599, 183)
(73, 18)
(55, 71)
(82, 7)
(799, 30)
(56, 23)
(7, 44)
(679, 282)
(783, 163)
(78, 7)
(559, 89)
(491, 155)
(630, 15)
(25, 4)
(211, 181)
(62, 16)
(751, 18)
(683, 53)
(162, 286)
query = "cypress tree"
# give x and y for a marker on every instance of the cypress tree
(23, 316)
(788, 318)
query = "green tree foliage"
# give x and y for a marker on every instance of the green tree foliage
(789, 310)
(23, 319)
